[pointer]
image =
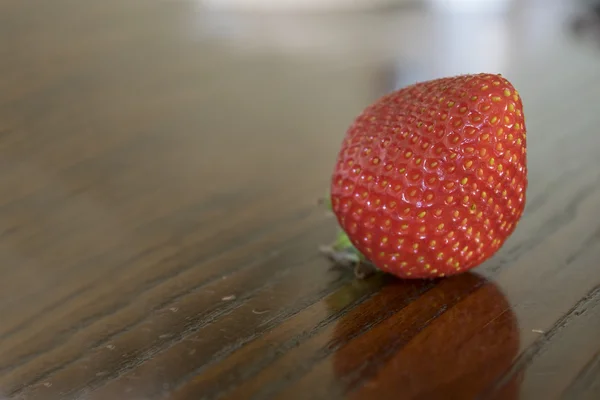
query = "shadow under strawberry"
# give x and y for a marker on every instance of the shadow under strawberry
(454, 341)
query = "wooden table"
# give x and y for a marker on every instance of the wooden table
(160, 168)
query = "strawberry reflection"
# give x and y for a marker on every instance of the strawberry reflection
(454, 341)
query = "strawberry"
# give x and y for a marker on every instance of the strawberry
(430, 180)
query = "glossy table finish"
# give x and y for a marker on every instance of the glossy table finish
(159, 231)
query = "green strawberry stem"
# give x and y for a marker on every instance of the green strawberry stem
(343, 243)
(343, 253)
(326, 200)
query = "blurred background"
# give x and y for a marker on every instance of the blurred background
(312, 65)
(397, 41)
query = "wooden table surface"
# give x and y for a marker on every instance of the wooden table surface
(159, 230)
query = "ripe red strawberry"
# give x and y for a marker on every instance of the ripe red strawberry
(431, 179)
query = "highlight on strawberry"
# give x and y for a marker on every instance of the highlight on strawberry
(431, 179)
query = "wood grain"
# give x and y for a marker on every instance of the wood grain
(159, 229)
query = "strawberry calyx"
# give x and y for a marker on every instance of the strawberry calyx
(343, 243)
(326, 201)
(343, 253)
